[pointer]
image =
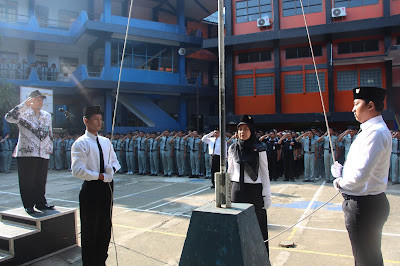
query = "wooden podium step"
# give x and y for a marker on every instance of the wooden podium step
(26, 238)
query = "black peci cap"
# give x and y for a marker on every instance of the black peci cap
(369, 93)
(92, 110)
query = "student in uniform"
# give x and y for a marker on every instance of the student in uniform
(154, 154)
(328, 159)
(94, 161)
(179, 146)
(141, 148)
(288, 153)
(271, 142)
(128, 152)
(363, 178)
(7, 147)
(347, 138)
(193, 144)
(68, 146)
(166, 152)
(248, 170)
(395, 158)
(309, 146)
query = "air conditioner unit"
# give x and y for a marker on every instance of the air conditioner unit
(338, 12)
(263, 22)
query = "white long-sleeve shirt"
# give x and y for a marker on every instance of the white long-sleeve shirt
(86, 157)
(367, 166)
(263, 174)
(211, 141)
(35, 137)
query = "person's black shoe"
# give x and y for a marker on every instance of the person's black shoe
(192, 176)
(44, 207)
(286, 180)
(179, 175)
(306, 180)
(213, 186)
(165, 175)
(30, 210)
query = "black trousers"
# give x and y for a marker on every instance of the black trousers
(273, 168)
(215, 164)
(95, 213)
(32, 177)
(364, 218)
(252, 193)
(288, 167)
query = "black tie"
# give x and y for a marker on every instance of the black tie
(101, 156)
(179, 144)
(309, 145)
(194, 142)
(214, 146)
(165, 144)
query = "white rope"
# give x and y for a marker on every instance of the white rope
(113, 124)
(326, 123)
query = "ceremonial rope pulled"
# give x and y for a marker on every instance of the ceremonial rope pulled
(326, 123)
(113, 123)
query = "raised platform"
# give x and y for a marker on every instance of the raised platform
(28, 237)
(219, 236)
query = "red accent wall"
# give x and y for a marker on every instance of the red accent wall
(362, 12)
(344, 99)
(248, 27)
(193, 26)
(254, 105)
(309, 102)
(394, 7)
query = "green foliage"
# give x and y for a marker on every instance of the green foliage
(8, 100)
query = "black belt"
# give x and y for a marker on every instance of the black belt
(118, 150)
(357, 198)
(328, 149)
(193, 150)
(141, 150)
(309, 152)
(129, 151)
(68, 150)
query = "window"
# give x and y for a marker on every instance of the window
(358, 46)
(145, 56)
(42, 15)
(68, 65)
(347, 80)
(66, 17)
(293, 7)
(8, 11)
(251, 10)
(254, 57)
(354, 3)
(302, 52)
(293, 84)
(371, 77)
(312, 83)
(245, 87)
(265, 86)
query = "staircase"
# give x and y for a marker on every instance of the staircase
(27, 238)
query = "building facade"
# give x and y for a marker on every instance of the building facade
(75, 48)
(270, 71)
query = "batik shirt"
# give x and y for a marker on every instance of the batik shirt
(35, 132)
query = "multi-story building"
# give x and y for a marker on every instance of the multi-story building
(270, 71)
(75, 48)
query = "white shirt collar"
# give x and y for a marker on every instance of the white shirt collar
(371, 122)
(90, 135)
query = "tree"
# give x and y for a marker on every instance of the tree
(8, 100)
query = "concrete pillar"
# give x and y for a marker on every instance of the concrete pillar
(180, 18)
(107, 10)
(182, 69)
(107, 58)
(31, 7)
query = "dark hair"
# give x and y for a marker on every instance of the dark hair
(379, 105)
